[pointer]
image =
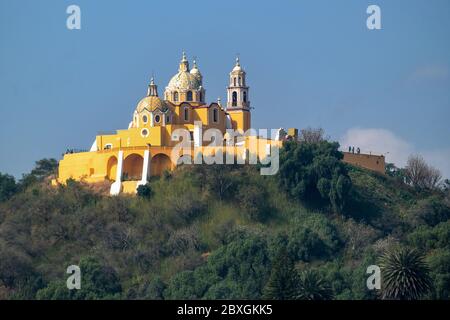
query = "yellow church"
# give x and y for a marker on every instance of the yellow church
(129, 157)
(159, 125)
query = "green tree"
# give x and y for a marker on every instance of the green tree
(312, 287)
(439, 263)
(314, 172)
(97, 282)
(405, 275)
(283, 278)
(44, 168)
(8, 187)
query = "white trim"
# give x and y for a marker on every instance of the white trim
(145, 170)
(116, 187)
(94, 146)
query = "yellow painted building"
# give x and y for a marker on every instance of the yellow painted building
(151, 144)
(129, 157)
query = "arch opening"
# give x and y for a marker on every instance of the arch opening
(132, 167)
(111, 169)
(159, 164)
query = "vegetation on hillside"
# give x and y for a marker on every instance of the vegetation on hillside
(226, 232)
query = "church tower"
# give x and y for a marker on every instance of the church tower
(238, 103)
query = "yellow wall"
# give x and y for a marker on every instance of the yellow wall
(240, 119)
(371, 162)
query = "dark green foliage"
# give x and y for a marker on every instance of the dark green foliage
(145, 191)
(283, 280)
(8, 187)
(314, 172)
(429, 238)
(215, 232)
(97, 282)
(439, 263)
(254, 202)
(312, 237)
(239, 269)
(45, 168)
(154, 289)
(312, 287)
(430, 211)
(405, 275)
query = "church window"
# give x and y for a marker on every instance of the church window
(215, 115)
(245, 96)
(144, 133)
(175, 96)
(234, 99)
(108, 146)
(200, 96)
(239, 80)
(167, 119)
(157, 118)
(186, 114)
(144, 119)
(234, 82)
(189, 96)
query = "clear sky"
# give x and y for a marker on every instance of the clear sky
(309, 63)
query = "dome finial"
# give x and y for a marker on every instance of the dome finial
(194, 61)
(152, 88)
(184, 64)
(237, 61)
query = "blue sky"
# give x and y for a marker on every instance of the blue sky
(309, 63)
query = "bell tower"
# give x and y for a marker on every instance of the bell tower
(237, 91)
(238, 103)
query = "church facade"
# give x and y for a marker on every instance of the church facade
(129, 157)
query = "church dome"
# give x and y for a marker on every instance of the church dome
(184, 80)
(237, 67)
(196, 72)
(150, 103)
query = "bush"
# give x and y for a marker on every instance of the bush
(312, 237)
(431, 211)
(8, 187)
(254, 201)
(314, 172)
(145, 191)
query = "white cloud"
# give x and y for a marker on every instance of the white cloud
(378, 141)
(396, 149)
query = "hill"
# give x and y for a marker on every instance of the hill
(221, 232)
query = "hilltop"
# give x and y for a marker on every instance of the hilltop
(220, 232)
